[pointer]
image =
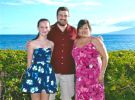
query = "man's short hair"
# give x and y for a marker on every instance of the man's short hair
(62, 9)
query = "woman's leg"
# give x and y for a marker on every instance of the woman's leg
(35, 96)
(44, 96)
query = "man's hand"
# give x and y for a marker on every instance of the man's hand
(27, 44)
(101, 78)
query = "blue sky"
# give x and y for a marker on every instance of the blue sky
(21, 16)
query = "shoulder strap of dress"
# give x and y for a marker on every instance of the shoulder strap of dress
(91, 39)
(74, 44)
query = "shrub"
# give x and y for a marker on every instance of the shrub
(12, 65)
(119, 78)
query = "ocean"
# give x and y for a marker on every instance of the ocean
(112, 42)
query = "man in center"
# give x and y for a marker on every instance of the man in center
(63, 36)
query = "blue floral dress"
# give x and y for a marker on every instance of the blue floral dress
(40, 75)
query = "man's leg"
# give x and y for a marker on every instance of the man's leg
(67, 86)
(52, 96)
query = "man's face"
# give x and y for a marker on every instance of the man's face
(62, 18)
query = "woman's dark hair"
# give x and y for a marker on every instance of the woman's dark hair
(41, 20)
(62, 9)
(83, 22)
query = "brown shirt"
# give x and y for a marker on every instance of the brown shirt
(62, 60)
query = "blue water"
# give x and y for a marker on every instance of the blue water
(112, 42)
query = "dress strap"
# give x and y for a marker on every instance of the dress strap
(91, 39)
(75, 42)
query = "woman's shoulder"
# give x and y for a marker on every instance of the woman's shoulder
(32, 43)
(51, 42)
(76, 41)
(97, 38)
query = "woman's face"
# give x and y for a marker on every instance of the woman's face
(84, 31)
(44, 28)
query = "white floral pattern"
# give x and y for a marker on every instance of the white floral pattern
(40, 76)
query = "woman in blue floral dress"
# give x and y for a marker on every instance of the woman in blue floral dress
(39, 78)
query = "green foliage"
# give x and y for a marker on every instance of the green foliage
(119, 78)
(12, 65)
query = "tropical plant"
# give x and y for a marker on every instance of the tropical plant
(119, 76)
